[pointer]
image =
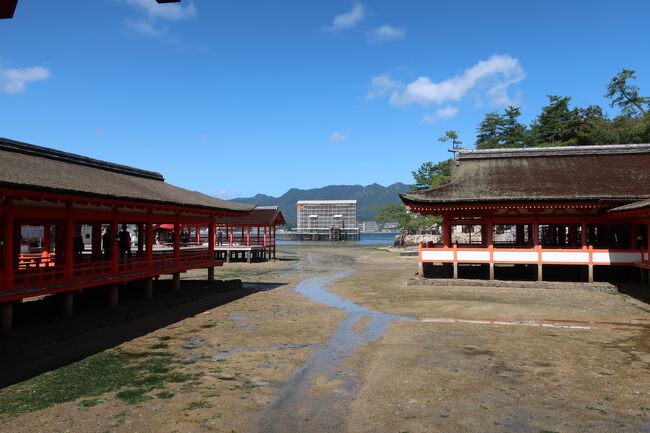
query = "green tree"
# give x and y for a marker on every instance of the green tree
(430, 175)
(487, 133)
(451, 136)
(511, 132)
(556, 125)
(408, 222)
(626, 96)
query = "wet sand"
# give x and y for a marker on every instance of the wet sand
(342, 344)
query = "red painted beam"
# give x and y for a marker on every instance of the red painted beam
(7, 8)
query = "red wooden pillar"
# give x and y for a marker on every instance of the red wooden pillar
(211, 239)
(47, 237)
(96, 241)
(177, 243)
(535, 234)
(141, 239)
(69, 234)
(231, 229)
(8, 259)
(211, 232)
(648, 246)
(198, 234)
(489, 228)
(583, 234)
(489, 233)
(446, 232)
(264, 236)
(149, 247)
(114, 254)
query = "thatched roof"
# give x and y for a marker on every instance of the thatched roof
(260, 216)
(616, 172)
(28, 167)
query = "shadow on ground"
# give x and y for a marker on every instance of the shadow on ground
(43, 340)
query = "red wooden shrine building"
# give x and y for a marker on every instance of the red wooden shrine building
(555, 210)
(252, 235)
(59, 196)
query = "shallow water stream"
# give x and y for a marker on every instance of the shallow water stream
(304, 407)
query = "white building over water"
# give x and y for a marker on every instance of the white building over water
(327, 220)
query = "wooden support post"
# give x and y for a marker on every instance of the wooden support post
(489, 229)
(67, 299)
(583, 235)
(113, 295)
(540, 266)
(211, 240)
(6, 316)
(535, 234)
(198, 234)
(69, 233)
(47, 237)
(114, 254)
(455, 262)
(141, 239)
(149, 244)
(248, 236)
(519, 228)
(211, 274)
(96, 241)
(177, 281)
(228, 256)
(148, 288)
(421, 269)
(249, 256)
(446, 233)
(590, 272)
(8, 257)
(177, 243)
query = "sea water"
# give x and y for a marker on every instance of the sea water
(378, 238)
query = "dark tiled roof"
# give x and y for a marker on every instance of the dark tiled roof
(260, 216)
(29, 167)
(616, 172)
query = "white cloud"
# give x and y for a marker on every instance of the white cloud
(441, 114)
(166, 11)
(337, 137)
(15, 80)
(145, 27)
(382, 85)
(348, 19)
(386, 33)
(148, 25)
(498, 73)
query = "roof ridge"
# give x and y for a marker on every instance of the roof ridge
(9, 145)
(608, 149)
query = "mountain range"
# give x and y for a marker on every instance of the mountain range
(368, 198)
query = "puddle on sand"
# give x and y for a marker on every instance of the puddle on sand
(301, 408)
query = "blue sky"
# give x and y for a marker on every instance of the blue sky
(233, 98)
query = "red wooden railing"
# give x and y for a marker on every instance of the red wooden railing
(35, 274)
